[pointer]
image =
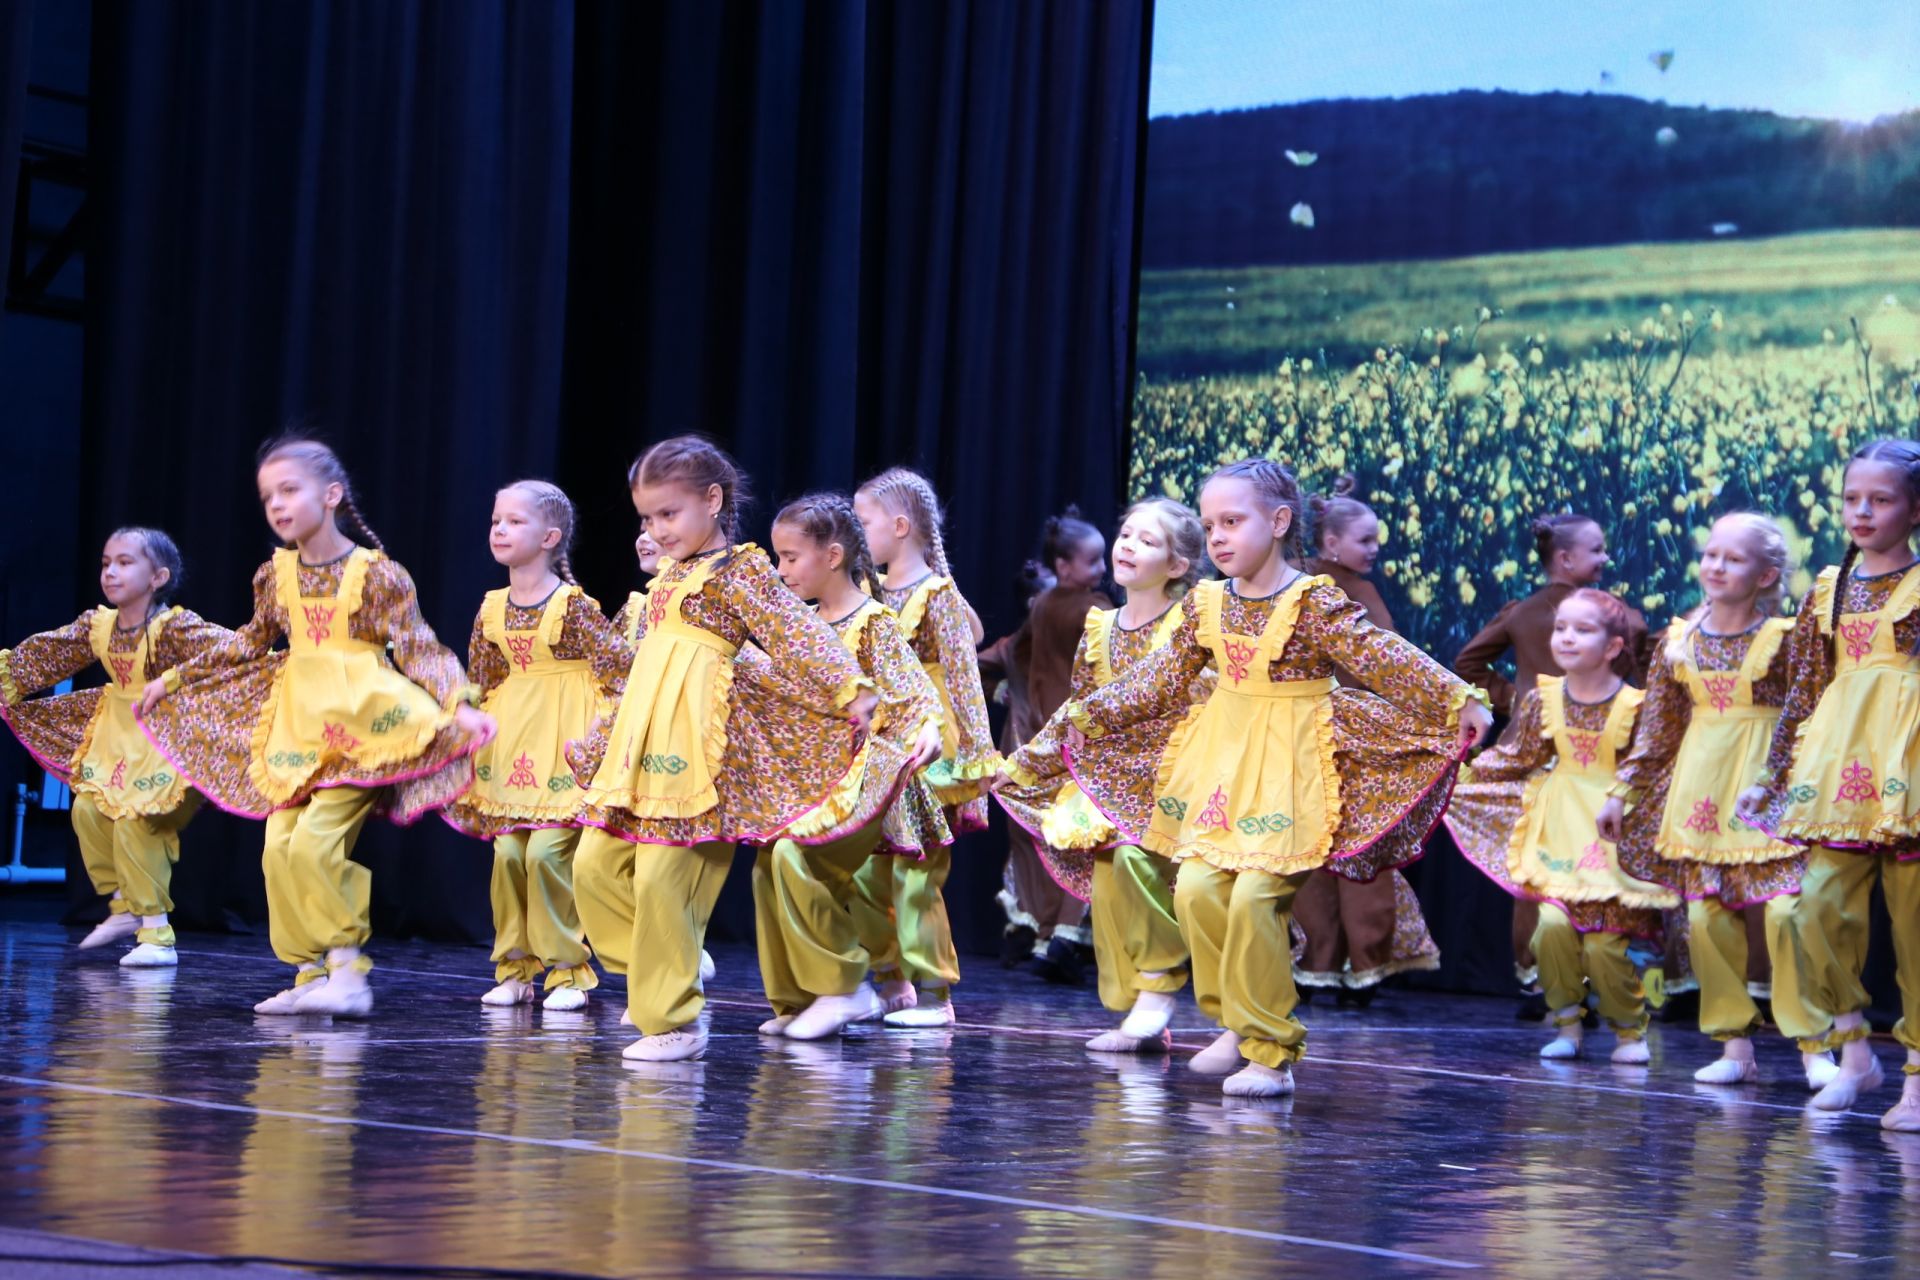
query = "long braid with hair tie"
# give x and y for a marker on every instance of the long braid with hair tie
(1840, 581)
(351, 509)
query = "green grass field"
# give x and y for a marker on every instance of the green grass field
(1785, 291)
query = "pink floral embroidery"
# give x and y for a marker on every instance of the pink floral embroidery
(119, 778)
(1239, 658)
(1720, 690)
(1214, 816)
(1856, 785)
(122, 670)
(338, 739)
(1593, 857)
(1859, 637)
(658, 603)
(1586, 747)
(319, 620)
(522, 775)
(1705, 818)
(522, 647)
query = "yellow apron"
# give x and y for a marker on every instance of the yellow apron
(1723, 751)
(1073, 821)
(664, 752)
(1247, 782)
(543, 703)
(941, 775)
(116, 764)
(337, 698)
(1858, 754)
(1556, 850)
(632, 614)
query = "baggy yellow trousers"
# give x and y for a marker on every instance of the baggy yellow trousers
(1134, 928)
(803, 921)
(534, 912)
(316, 895)
(902, 918)
(1571, 962)
(1237, 927)
(133, 857)
(1823, 943)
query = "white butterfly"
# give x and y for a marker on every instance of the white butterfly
(1301, 215)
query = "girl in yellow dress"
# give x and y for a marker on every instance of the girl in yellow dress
(694, 761)
(901, 518)
(1713, 698)
(129, 804)
(317, 738)
(1841, 774)
(627, 622)
(548, 664)
(1137, 947)
(1278, 772)
(1526, 812)
(812, 960)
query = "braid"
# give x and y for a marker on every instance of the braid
(907, 493)
(828, 518)
(551, 504)
(363, 532)
(699, 464)
(1840, 583)
(320, 459)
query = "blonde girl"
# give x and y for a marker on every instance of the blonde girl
(547, 663)
(1140, 955)
(901, 518)
(1841, 773)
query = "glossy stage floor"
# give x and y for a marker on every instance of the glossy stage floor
(154, 1110)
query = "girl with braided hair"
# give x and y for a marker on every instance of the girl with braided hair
(1278, 772)
(129, 806)
(330, 730)
(633, 614)
(548, 664)
(1841, 775)
(694, 760)
(812, 960)
(901, 518)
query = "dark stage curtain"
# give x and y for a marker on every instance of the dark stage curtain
(475, 241)
(16, 48)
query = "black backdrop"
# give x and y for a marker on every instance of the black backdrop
(480, 240)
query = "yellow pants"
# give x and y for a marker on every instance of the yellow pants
(533, 911)
(1718, 939)
(1571, 962)
(674, 890)
(134, 858)
(316, 896)
(1824, 942)
(1134, 929)
(603, 895)
(902, 918)
(1237, 927)
(803, 922)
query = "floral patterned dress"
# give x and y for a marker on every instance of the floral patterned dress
(363, 695)
(1377, 766)
(693, 754)
(90, 739)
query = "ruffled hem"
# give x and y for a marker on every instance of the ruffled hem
(52, 750)
(1884, 832)
(1357, 980)
(394, 761)
(1674, 850)
(915, 823)
(1236, 861)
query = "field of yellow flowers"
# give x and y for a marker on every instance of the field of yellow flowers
(1653, 416)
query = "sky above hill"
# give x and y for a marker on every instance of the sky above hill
(1851, 60)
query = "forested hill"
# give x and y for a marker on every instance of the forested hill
(1473, 172)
